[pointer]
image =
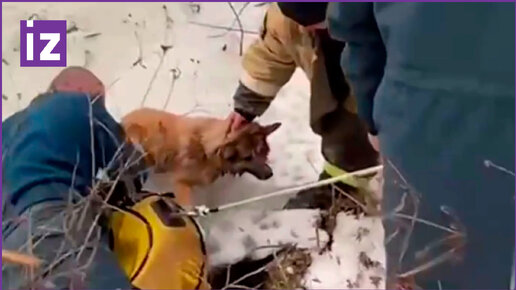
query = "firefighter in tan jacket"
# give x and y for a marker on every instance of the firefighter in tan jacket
(294, 35)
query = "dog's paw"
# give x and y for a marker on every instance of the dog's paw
(258, 234)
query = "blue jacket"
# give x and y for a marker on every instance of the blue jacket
(435, 82)
(48, 149)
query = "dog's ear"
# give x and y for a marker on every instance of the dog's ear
(269, 129)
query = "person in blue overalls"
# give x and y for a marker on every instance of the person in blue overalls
(435, 83)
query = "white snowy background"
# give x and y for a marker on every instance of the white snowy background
(121, 44)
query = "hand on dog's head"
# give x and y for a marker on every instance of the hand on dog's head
(246, 150)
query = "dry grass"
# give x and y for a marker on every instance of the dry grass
(287, 270)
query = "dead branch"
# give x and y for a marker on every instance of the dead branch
(430, 264)
(347, 195)
(154, 76)
(139, 60)
(176, 74)
(168, 23)
(255, 272)
(426, 222)
(214, 26)
(228, 275)
(13, 257)
(240, 27)
(92, 35)
(240, 11)
(489, 164)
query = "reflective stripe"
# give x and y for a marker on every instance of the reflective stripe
(260, 87)
(334, 171)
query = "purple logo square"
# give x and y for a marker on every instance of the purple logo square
(42, 43)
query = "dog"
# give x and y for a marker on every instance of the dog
(198, 150)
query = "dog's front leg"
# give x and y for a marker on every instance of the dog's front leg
(183, 193)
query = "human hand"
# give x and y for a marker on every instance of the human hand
(236, 121)
(374, 142)
(317, 26)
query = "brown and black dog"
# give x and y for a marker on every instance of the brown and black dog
(198, 150)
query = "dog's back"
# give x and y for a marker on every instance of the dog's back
(198, 150)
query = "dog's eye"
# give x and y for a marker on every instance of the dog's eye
(249, 158)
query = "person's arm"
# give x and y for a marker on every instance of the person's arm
(363, 60)
(267, 66)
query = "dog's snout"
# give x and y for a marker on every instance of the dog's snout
(265, 174)
(262, 171)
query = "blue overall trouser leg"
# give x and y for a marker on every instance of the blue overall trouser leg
(47, 172)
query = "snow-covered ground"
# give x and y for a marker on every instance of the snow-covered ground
(121, 43)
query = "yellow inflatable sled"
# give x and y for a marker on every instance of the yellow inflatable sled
(158, 248)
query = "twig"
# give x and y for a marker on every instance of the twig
(154, 76)
(243, 287)
(408, 236)
(391, 236)
(278, 264)
(228, 275)
(434, 244)
(19, 258)
(233, 23)
(240, 27)
(406, 241)
(176, 74)
(363, 206)
(31, 244)
(92, 35)
(428, 223)
(168, 23)
(96, 219)
(430, 264)
(489, 163)
(269, 247)
(92, 137)
(165, 47)
(139, 60)
(108, 196)
(257, 271)
(214, 26)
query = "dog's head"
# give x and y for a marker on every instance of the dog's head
(246, 150)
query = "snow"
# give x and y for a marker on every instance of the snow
(208, 77)
(354, 239)
(257, 234)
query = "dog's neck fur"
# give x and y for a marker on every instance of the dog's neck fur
(211, 132)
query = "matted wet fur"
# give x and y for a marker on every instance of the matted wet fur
(198, 150)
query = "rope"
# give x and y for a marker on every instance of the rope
(362, 172)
